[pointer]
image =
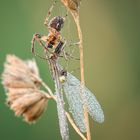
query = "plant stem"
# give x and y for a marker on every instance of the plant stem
(73, 7)
(67, 114)
(77, 21)
(74, 126)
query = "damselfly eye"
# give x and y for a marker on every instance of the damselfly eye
(63, 73)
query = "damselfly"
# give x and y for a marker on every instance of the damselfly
(72, 90)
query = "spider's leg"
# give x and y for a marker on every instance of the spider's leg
(64, 55)
(40, 39)
(49, 14)
(73, 44)
(63, 51)
(37, 37)
(41, 57)
(72, 51)
(74, 70)
(70, 54)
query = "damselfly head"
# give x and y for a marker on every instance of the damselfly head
(63, 73)
(62, 79)
(63, 76)
(57, 23)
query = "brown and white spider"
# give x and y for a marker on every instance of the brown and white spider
(53, 43)
(53, 40)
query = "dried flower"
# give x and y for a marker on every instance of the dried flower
(20, 74)
(73, 5)
(29, 105)
(22, 82)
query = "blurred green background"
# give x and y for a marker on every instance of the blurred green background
(111, 31)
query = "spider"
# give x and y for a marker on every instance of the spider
(53, 41)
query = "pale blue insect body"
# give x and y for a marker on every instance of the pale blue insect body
(73, 95)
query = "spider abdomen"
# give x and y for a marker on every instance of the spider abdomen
(53, 40)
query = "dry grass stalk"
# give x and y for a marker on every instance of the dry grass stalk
(73, 7)
(75, 127)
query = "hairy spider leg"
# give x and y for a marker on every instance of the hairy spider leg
(72, 51)
(49, 14)
(39, 38)
(70, 54)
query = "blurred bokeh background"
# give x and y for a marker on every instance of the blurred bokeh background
(111, 31)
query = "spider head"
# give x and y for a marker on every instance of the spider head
(57, 23)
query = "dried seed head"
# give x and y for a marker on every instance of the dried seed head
(22, 82)
(20, 74)
(73, 5)
(34, 112)
(29, 105)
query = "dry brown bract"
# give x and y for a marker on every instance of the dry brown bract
(20, 74)
(28, 103)
(73, 5)
(22, 82)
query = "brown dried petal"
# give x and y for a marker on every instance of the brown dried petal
(17, 93)
(20, 74)
(32, 67)
(72, 4)
(30, 106)
(35, 111)
(11, 81)
(25, 66)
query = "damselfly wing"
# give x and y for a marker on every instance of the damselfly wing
(60, 101)
(62, 117)
(72, 89)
